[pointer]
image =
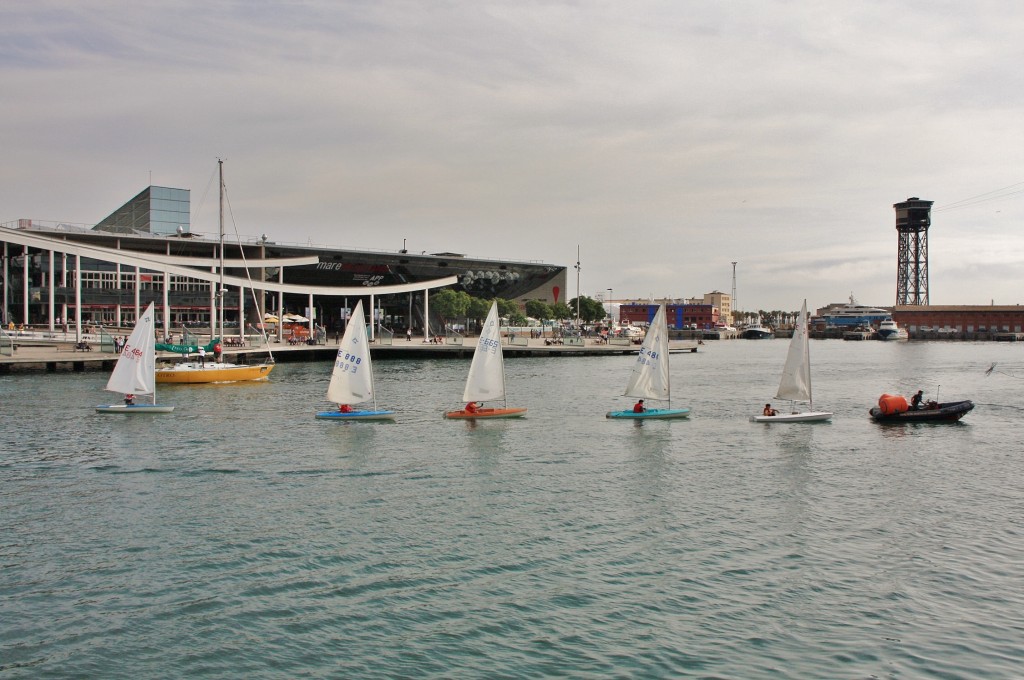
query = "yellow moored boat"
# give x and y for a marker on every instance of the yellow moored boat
(202, 371)
(194, 372)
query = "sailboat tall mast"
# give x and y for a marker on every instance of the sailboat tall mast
(220, 290)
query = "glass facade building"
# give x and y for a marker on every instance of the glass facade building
(155, 210)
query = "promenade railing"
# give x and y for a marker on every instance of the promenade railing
(6, 344)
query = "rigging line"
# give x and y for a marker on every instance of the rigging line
(980, 202)
(980, 198)
(248, 276)
(206, 193)
(989, 193)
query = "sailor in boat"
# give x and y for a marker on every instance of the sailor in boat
(202, 356)
(471, 407)
(344, 408)
(129, 400)
(639, 407)
(769, 411)
(915, 401)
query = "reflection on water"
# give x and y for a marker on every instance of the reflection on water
(239, 533)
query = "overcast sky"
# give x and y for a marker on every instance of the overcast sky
(665, 139)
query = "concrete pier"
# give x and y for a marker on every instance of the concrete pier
(31, 355)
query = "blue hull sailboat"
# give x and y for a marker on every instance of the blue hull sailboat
(650, 376)
(352, 375)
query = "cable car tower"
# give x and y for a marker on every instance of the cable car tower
(913, 217)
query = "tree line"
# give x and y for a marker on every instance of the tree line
(456, 305)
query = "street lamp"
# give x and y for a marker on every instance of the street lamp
(610, 305)
(578, 269)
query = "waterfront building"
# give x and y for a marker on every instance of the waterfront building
(63, 273)
(680, 313)
(722, 302)
(966, 322)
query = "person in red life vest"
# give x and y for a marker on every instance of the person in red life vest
(639, 407)
(344, 408)
(471, 407)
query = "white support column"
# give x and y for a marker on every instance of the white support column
(53, 280)
(167, 307)
(78, 298)
(373, 319)
(138, 293)
(7, 285)
(117, 285)
(213, 304)
(280, 306)
(241, 312)
(25, 287)
(310, 315)
(64, 284)
(426, 314)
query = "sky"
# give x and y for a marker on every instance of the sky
(663, 140)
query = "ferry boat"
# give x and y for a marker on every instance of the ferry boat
(756, 331)
(852, 314)
(890, 330)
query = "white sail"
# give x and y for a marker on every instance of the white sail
(486, 381)
(352, 377)
(649, 379)
(796, 376)
(135, 371)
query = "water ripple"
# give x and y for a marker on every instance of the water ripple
(564, 545)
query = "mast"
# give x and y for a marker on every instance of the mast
(220, 290)
(150, 348)
(807, 353)
(668, 374)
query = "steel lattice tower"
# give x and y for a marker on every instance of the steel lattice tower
(913, 217)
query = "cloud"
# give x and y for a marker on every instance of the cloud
(665, 140)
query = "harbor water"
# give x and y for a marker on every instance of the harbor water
(239, 537)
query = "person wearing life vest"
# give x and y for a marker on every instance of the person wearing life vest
(639, 407)
(344, 408)
(471, 407)
(217, 349)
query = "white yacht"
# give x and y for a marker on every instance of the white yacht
(756, 331)
(853, 314)
(890, 330)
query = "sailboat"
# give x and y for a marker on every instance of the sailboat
(486, 380)
(796, 379)
(352, 377)
(133, 373)
(203, 371)
(650, 376)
